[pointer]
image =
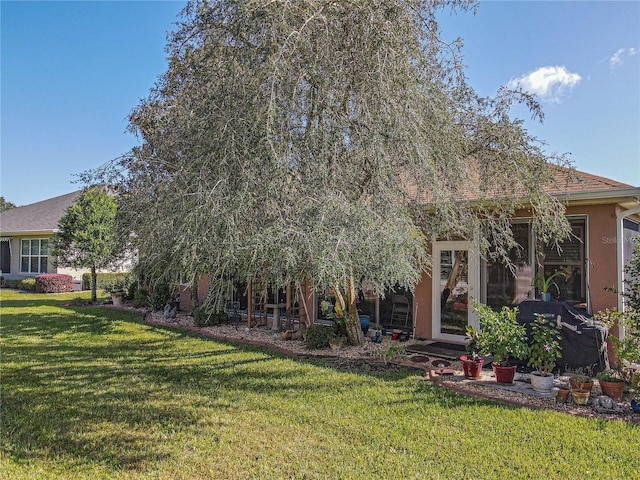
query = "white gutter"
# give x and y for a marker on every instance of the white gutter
(620, 254)
(26, 233)
(614, 195)
(629, 192)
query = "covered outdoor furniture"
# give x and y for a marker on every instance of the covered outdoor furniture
(583, 343)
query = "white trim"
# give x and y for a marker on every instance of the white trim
(620, 253)
(473, 278)
(600, 194)
(22, 233)
(39, 256)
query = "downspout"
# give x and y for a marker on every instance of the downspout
(620, 253)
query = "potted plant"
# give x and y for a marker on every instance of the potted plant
(581, 379)
(473, 361)
(627, 350)
(611, 383)
(544, 350)
(580, 397)
(562, 393)
(543, 284)
(502, 336)
(117, 291)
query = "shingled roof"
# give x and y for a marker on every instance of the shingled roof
(574, 181)
(567, 184)
(38, 217)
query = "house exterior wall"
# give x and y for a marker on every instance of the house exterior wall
(75, 273)
(16, 253)
(600, 251)
(186, 304)
(422, 306)
(16, 274)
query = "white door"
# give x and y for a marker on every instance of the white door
(456, 280)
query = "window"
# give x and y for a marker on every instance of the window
(509, 286)
(34, 255)
(570, 259)
(630, 230)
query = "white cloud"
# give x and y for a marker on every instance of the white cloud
(549, 83)
(618, 58)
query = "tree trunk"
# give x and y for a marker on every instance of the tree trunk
(94, 282)
(194, 292)
(457, 270)
(351, 319)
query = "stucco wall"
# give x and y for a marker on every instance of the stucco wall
(600, 250)
(15, 258)
(601, 253)
(422, 311)
(186, 304)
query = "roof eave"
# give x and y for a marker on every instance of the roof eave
(27, 233)
(616, 195)
(627, 197)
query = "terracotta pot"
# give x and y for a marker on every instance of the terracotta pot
(541, 384)
(581, 385)
(471, 367)
(562, 394)
(612, 389)
(580, 397)
(504, 374)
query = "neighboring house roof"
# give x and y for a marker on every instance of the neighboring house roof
(38, 217)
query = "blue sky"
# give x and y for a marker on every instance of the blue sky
(73, 71)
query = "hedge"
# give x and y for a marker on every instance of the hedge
(26, 284)
(103, 280)
(54, 283)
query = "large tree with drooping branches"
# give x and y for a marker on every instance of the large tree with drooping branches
(324, 141)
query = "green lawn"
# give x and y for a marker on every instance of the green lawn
(96, 393)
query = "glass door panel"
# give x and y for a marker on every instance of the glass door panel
(454, 291)
(455, 282)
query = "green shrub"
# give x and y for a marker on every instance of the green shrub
(204, 316)
(160, 294)
(141, 298)
(318, 336)
(132, 288)
(104, 280)
(11, 284)
(27, 284)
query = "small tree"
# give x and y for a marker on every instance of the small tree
(4, 205)
(87, 236)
